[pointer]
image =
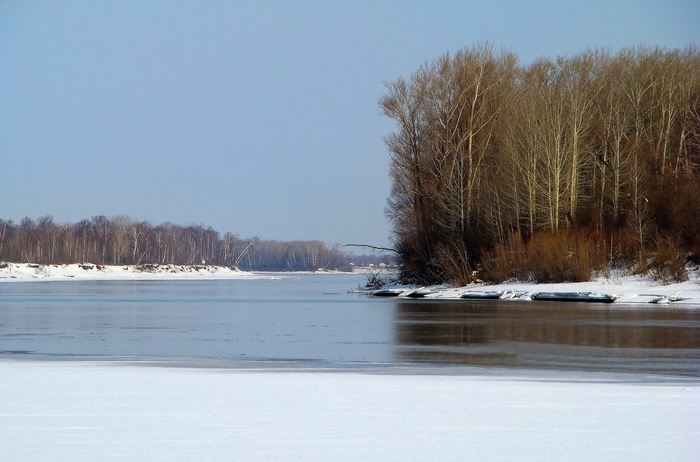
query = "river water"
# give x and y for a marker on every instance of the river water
(316, 317)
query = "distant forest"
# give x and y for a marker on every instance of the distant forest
(578, 163)
(122, 240)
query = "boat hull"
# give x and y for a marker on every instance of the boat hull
(589, 297)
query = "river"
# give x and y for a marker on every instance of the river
(316, 317)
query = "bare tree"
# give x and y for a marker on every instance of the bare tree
(120, 243)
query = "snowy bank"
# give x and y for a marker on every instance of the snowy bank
(632, 289)
(91, 411)
(89, 271)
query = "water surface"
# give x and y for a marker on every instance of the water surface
(313, 317)
(555, 335)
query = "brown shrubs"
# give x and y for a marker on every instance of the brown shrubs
(455, 261)
(547, 257)
(667, 265)
(507, 261)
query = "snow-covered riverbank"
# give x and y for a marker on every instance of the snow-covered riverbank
(625, 289)
(89, 271)
(96, 410)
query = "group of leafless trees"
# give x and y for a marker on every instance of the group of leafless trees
(295, 255)
(122, 240)
(600, 144)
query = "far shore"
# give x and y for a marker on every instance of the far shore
(633, 289)
(90, 271)
(148, 271)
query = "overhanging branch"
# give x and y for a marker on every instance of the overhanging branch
(372, 247)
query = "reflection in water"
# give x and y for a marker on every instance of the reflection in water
(549, 334)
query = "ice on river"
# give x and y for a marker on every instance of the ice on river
(112, 410)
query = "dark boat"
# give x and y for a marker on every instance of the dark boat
(574, 297)
(393, 291)
(420, 292)
(483, 295)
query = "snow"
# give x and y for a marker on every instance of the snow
(89, 271)
(631, 289)
(84, 410)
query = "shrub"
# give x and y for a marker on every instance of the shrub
(564, 257)
(505, 261)
(547, 257)
(376, 280)
(667, 265)
(455, 261)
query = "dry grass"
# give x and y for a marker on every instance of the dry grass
(547, 257)
(455, 261)
(507, 261)
(667, 265)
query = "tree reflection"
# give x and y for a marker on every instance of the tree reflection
(555, 335)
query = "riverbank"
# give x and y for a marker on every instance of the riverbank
(629, 289)
(90, 271)
(625, 288)
(96, 410)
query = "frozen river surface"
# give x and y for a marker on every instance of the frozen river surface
(314, 317)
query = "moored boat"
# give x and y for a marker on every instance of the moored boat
(393, 291)
(482, 295)
(574, 297)
(420, 292)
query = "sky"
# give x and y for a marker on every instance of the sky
(259, 118)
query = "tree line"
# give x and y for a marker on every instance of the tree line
(488, 153)
(122, 240)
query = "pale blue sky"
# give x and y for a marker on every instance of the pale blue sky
(258, 118)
